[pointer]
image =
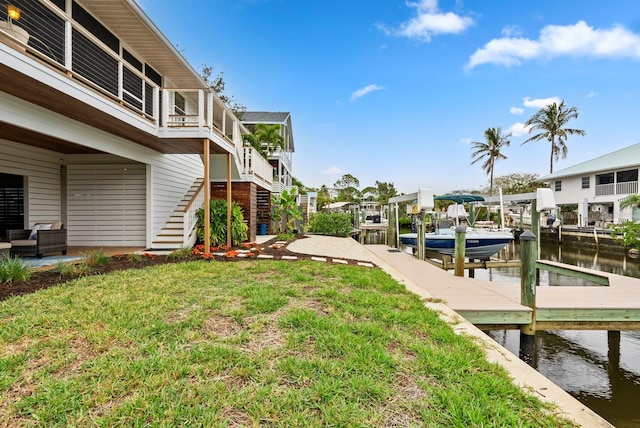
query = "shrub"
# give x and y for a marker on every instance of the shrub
(218, 226)
(14, 269)
(95, 258)
(335, 224)
(628, 233)
(181, 253)
(404, 221)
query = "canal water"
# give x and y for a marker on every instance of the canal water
(600, 369)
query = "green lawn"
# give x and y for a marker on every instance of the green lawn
(255, 343)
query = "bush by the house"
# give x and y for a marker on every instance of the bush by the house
(335, 224)
(218, 228)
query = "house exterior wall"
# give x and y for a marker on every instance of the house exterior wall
(608, 204)
(106, 204)
(245, 194)
(41, 169)
(172, 176)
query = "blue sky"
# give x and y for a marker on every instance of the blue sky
(395, 91)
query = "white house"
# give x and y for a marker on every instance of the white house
(597, 186)
(106, 127)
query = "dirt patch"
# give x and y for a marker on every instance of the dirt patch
(47, 278)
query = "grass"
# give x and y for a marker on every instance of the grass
(269, 343)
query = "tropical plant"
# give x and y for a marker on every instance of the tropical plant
(270, 137)
(630, 201)
(218, 223)
(14, 269)
(551, 121)
(285, 210)
(628, 233)
(490, 151)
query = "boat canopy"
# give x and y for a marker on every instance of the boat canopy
(459, 198)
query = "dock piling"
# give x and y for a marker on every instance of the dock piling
(459, 249)
(528, 277)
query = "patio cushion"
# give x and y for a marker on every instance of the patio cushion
(41, 226)
(23, 242)
(5, 245)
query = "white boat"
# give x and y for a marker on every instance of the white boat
(479, 244)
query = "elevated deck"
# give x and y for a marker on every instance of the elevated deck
(495, 305)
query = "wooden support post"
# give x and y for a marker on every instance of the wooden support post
(391, 236)
(420, 237)
(535, 222)
(459, 249)
(472, 271)
(229, 200)
(207, 198)
(528, 275)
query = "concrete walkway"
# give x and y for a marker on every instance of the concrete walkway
(330, 246)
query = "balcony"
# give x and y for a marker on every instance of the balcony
(624, 188)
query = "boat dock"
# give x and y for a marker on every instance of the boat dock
(494, 305)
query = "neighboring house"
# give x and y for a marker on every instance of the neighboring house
(105, 126)
(279, 159)
(597, 186)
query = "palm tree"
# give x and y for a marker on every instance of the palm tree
(490, 151)
(269, 136)
(630, 201)
(551, 121)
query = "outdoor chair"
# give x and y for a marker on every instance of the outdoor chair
(44, 238)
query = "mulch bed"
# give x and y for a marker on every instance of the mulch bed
(41, 279)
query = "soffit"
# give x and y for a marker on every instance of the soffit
(136, 30)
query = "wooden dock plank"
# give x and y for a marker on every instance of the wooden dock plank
(495, 303)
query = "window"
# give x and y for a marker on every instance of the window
(604, 178)
(585, 182)
(558, 185)
(627, 176)
(180, 104)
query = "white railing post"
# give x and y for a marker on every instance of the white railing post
(200, 109)
(156, 106)
(209, 109)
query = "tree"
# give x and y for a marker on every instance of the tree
(269, 137)
(324, 198)
(385, 192)
(490, 151)
(551, 121)
(347, 188)
(513, 184)
(630, 201)
(217, 85)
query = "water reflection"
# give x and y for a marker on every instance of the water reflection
(599, 368)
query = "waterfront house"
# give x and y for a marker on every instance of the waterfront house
(107, 128)
(597, 186)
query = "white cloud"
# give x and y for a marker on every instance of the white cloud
(518, 129)
(334, 170)
(429, 21)
(364, 91)
(465, 140)
(516, 110)
(592, 94)
(511, 31)
(540, 102)
(560, 40)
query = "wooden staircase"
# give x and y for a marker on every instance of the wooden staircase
(172, 235)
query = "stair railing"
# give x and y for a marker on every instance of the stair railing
(189, 213)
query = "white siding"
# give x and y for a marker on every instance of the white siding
(42, 171)
(172, 177)
(106, 204)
